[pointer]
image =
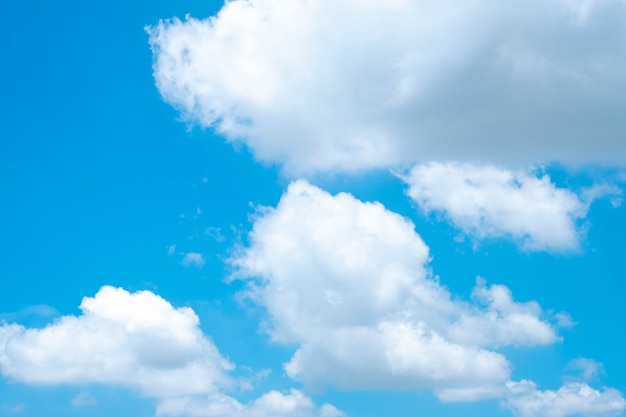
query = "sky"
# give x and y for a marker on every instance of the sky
(312, 208)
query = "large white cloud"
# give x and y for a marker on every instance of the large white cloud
(135, 340)
(139, 341)
(346, 84)
(348, 283)
(485, 201)
(573, 398)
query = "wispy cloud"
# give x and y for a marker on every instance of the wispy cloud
(84, 399)
(37, 312)
(586, 369)
(193, 259)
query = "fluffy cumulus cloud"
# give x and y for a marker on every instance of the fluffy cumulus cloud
(135, 340)
(573, 398)
(139, 341)
(485, 201)
(348, 283)
(349, 85)
(272, 404)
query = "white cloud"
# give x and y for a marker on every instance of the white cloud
(499, 320)
(139, 341)
(564, 320)
(348, 283)
(604, 190)
(346, 84)
(193, 259)
(215, 233)
(134, 340)
(271, 404)
(573, 398)
(485, 201)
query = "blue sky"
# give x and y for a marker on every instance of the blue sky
(312, 208)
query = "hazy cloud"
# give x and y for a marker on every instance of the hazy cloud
(193, 259)
(83, 399)
(587, 369)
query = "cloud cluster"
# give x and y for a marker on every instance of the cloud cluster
(138, 341)
(348, 282)
(573, 398)
(272, 404)
(488, 202)
(349, 85)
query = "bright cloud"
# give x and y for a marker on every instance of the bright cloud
(574, 398)
(485, 201)
(272, 404)
(351, 85)
(497, 320)
(135, 340)
(348, 282)
(141, 342)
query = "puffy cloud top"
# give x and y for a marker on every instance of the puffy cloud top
(135, 340)
(139, 341)
(485, 201)
(573, 398)
(350, 85)
(348, 282)
(272, 404)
